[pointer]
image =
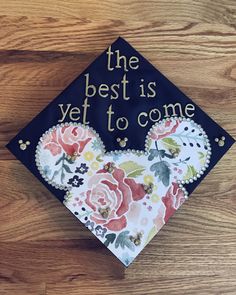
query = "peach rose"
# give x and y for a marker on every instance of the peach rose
(173, 199)
(164, 130)
(159, 220)
(110, 196)
(70, 139)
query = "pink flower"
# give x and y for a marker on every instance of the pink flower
(70, 139)
(110, 196)
(50, 142)
(173, 199)
(159, 221)
(164, 130)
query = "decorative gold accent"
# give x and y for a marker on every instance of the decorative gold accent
(148, 188)
(73, 157)
(109, 167)
(136, 239)
(23, 146)
(104, 212)
(220, 141)
(174, 152)
(122, 142)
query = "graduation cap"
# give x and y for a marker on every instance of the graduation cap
(122, 148)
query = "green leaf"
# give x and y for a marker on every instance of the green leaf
(130, 166)
(67, 168)
(59, 160)
(201, 157)
(136, 173)
(123, 240)
(98, 158)
(62, 176)
(149, 143)
(153, 153)
(162, 170)
(110, 238)
(70, 161)
(191, 172)
(55, 174)
(170, 143)
(151, 234)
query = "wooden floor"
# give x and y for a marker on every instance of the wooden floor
(44, 45)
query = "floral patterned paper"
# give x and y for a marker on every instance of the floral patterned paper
(126, 197)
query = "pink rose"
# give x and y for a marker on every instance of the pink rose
(110, 196)
(164, 130)
(70, 139)
(159, 220)
(173, 199)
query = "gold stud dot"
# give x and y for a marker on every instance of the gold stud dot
(23, 146)
(122, 142)
(220, 141)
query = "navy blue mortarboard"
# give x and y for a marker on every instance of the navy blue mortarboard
(122, 147)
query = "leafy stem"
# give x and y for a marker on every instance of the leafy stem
(181, 162)
(161, 169)
(64, 168)
(158, 152)
(187, 136)
(153, 153)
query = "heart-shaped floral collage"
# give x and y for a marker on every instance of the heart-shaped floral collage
(124, 197)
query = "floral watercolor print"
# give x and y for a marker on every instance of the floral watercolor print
(124, 197)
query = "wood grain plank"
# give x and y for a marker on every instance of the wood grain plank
(57, 262)
(23, 289)
(73, 260)
(63, 261)
(55, 70)
(200, 40)
(202, 10)
(174, 285)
